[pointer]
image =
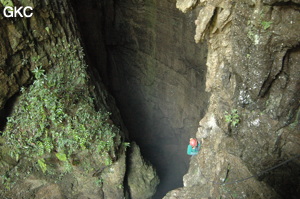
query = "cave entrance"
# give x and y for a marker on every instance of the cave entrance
(146, 55)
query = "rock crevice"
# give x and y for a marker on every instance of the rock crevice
(253, 57)
(44, 52)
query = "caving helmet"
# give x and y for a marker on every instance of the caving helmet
(193, 142)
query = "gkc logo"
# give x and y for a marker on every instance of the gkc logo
(18, 11)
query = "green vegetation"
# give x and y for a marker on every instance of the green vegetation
(258, 26)
(47, 29)
(56, 114)
(262, 18)
(99, 182)
(7, 3)
(266, 24)
(42, 165)
(232, 118)
(6, 181)
(126, 144)
(61, 156)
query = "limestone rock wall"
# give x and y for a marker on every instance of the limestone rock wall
(253, 68)
(141, 177)
(157, 75)
(22, 40)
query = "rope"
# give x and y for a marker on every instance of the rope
(255, 175)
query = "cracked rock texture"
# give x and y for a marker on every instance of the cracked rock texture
(246, 63)
(141, 175)
(157, 76)
(54, 24)
(252, 66)
(25, 38)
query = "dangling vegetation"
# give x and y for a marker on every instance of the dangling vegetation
(56, 114)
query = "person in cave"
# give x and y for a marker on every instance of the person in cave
(193, 147)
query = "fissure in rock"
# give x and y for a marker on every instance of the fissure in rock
(148, 60)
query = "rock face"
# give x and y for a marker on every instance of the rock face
(26, 38)
(141, 177)
(146, 54)
(253, 50)
(38, 44)
(156, 73)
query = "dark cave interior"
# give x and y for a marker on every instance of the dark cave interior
(156, 77)
(145, 55)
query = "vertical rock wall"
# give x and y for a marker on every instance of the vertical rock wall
(253, 74)
(44, 37)
(23, 38)
(157, 75)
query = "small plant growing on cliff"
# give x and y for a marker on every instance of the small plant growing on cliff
(232, 118)
(266, 24)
